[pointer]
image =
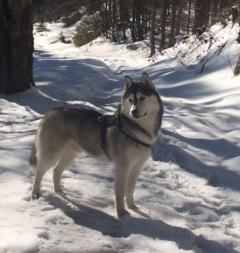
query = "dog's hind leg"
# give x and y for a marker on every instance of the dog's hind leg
(41, 169)
(64, 162)
(46, 159)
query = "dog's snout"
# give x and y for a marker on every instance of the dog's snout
(135, 112)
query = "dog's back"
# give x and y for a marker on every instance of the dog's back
(78, 129)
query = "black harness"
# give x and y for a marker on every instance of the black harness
(132, 138)
(106, 122)
(114, 120)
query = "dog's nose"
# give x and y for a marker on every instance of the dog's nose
(135, 112)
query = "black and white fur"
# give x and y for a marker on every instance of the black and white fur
(64, 132)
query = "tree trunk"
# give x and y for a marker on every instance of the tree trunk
(133, 22)
(214, 8)
(16, 46)
(237, 68)
(197, 18)
(205, 11)
(139, 14)
(153, 25)
(179, 16)
(189, 15)
(163, 25)
(202, 11)
(173, 25)
(113, 11)
(123, 18)
(224, 4)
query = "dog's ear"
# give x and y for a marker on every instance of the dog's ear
(147, 81)
(127, 82)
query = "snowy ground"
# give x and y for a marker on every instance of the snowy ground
(189, 195)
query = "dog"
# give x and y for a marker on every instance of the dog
(123, 139)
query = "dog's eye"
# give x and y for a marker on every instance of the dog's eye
(141, 98)
(130, 100)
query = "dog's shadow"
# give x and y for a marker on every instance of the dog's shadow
(108, 225)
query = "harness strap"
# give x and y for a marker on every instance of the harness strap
(103, 139)
(132, 138)
(106, 121)
(114, 120)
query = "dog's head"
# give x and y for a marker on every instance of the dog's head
(139, 99)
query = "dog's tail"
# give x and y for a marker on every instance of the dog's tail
(33, 159)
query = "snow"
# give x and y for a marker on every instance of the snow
(188, 194)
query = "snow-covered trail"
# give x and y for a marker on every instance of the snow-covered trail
(188, 196)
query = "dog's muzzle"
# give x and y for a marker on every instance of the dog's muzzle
(135, 113)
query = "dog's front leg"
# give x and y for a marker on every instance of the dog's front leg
(131, 184)
(121, 175)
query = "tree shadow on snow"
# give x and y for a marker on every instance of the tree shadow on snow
(62, 82)
(110, 226)
(216, 175)
(86, 79)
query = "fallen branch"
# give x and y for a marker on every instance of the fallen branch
(217, 52)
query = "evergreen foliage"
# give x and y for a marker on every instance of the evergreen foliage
(88, 30)
(134, 20)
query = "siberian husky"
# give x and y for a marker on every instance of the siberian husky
(123, 139)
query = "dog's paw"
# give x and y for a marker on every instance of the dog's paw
(133, 207)
(35, 196)
(121, 213)
(58, 190)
